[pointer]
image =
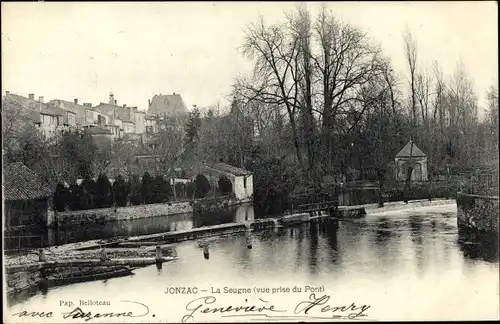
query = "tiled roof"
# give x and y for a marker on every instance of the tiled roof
(229, 169)
(415, 151)
(20, 183)
(168, 104)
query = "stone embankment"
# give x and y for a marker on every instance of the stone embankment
(477, 213)
(104, 215)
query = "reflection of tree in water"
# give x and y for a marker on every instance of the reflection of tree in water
(383, 245)
(328, 230)
(210, 218)
(313, 248)
(417, 228)
(479, 246)
(299, 238)
(383, 232)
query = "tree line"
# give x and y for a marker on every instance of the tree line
(90, 194)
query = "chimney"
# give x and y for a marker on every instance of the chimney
(173, 93)
(7, 93)
(116, 102)
(76, 101)
(149, 103)
(124, 106)
(31, 96)
(40, 98)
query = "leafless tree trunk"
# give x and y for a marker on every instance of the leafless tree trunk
(273, 78)
(411, 59)
(346, 62)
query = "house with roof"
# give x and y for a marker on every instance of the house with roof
(133, 120)
(411, 158)
(241, 179)
(27, 198)
(74, 107)
(49, 119)
(167, 105)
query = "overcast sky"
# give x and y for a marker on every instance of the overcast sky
(85, 50)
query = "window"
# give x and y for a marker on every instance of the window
(244, 182)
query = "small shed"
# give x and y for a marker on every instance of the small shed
(241, 179)
(411, 157)
(27, 198)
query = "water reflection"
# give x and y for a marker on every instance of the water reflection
(376, 253)
(145, 226)
(479, 246)
(313, 248)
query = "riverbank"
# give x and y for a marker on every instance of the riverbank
(82, 259)
(88, 248)
(402, 206)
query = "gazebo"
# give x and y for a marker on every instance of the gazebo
(411, 157)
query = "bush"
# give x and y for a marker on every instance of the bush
(160, 190)
(61, 197)
(75, 197)
(103, 189)
(120, 192)
(88, 187)
(201, 186)
(135, 190)
(146, 192)
(273, 183)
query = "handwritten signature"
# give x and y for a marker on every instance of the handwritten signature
(79, 313)
(207, 305)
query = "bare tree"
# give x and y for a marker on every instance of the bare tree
(275, 75)
(411, 59)
(345, 63)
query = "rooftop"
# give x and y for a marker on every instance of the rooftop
(21, 183)
(415, 151)
(167, 104)
(223, 167)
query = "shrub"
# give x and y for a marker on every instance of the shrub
(103, 196)
(61, 197)
(146, 192)
(135, 190)
(120, 191)
(75, 197)
(88, 193)
(201, 186)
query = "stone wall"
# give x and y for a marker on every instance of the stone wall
(479, 213)
(120, 213)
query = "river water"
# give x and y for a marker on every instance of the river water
(406, 265)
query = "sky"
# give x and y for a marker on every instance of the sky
(136, 50)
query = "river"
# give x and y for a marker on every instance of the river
(407, 265)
